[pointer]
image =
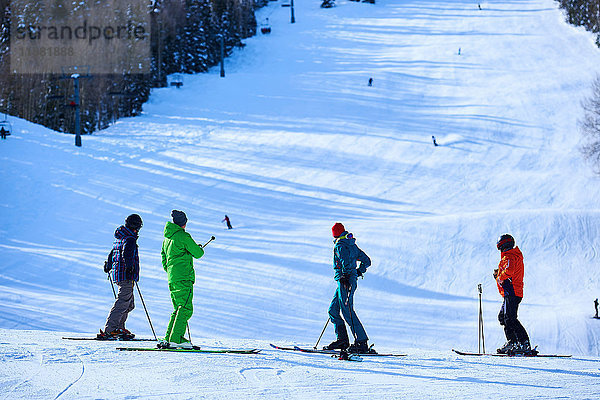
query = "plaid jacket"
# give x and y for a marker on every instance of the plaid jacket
(125, 259)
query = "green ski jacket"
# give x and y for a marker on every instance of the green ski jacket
(178, 252)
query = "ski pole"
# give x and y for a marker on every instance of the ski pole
(189, 333)
(168, 339)
(112, 285)
(481, 335)
(211, 239)
(321, 335)
(479, 322)
(145, 309)
(351, 309)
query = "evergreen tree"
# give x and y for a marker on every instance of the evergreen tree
(185, 38)
(584, 13)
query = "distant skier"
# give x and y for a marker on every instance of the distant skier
(345, 256)
(125, 265)
(434, 141)
(3, 133)
(596, 307)
(226, 219)
(177, 254)
(370, 81)
(509, 278)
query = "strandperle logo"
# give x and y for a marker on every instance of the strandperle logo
(53, 35)
(82, 32)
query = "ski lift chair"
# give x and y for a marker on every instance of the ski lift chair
(5, 129)
(265, 27)
(177, 80)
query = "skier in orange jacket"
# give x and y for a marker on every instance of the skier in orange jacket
(509, 278)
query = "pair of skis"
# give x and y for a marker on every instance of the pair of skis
(334, 352)
(195, 349)
(533, 354)
(115, 339)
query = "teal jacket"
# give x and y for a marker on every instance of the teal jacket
(345, 256)
(178, 253)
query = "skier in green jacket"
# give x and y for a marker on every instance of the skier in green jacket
(178, 252)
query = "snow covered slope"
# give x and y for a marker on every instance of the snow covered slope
(293, 140)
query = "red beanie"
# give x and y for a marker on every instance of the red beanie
(337, 229)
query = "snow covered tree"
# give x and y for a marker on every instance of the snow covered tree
(590, 126)
(184, 38)
(196, 37)
(584, 13)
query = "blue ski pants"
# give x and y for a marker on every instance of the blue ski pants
(343, 301)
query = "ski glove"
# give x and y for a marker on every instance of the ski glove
(108, 262)
(496, 273)
(359, 273)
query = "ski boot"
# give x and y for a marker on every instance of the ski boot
(124, 334)
(532, 352)
(361, 347)
(371, 350)
(522, 349)
(117, 334)
(507, 348)
(344, 355)
(105, 336)
(185, 344)
(340, 344)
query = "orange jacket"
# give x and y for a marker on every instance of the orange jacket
(510, 272)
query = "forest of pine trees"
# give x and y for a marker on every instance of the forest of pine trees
(185, 38)
(584, 13)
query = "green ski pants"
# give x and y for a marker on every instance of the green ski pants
(182, 294)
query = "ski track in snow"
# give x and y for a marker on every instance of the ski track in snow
(107, 373)
(75, 381)
(291, 141)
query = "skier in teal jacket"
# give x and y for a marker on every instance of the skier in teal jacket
(178, 253)
(345, 256)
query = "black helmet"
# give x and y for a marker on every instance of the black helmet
(505, 242)
(134, 222)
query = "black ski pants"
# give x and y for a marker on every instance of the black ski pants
(513, 329)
